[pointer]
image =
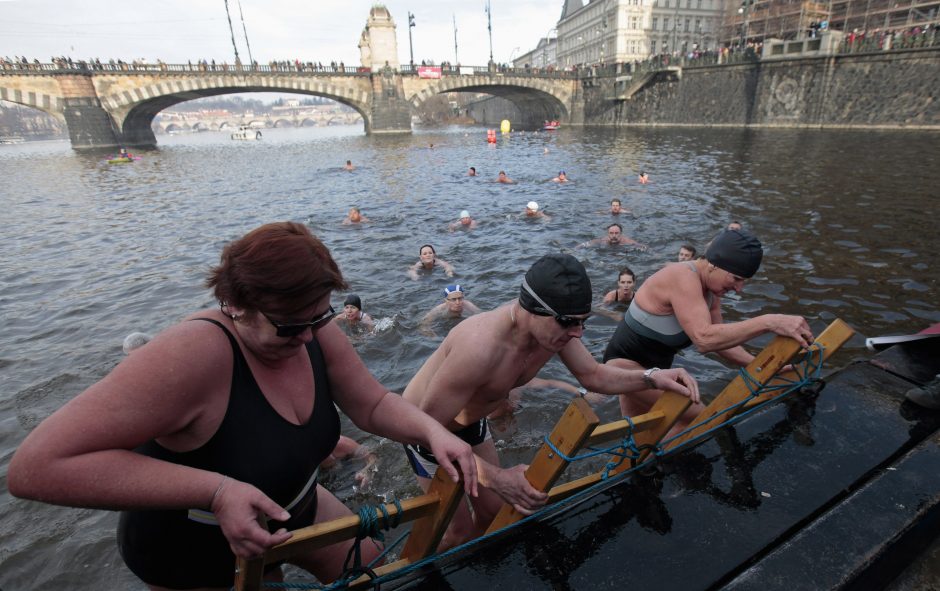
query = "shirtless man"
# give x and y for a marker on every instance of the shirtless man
(464, 221)
(686, 252)
(561, 178)
(349, 166)
(615, 207)
(472, 171)
(354, 217)
(455, 305)
(485, 356)
(614, 237)
(502, 178)
(680, 305)
(532, 211)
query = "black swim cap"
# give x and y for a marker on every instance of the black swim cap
(353, 300)
(736, 251)
(561, 282)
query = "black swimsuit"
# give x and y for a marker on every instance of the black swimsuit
(253, 444)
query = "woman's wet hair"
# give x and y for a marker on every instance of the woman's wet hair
(280, 267)
(423, 246)
(626, 271)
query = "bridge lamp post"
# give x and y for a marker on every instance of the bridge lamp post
(489, 27)
(411, 48)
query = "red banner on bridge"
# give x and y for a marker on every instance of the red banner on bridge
(429, 71)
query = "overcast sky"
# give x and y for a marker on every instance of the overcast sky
(310, 30)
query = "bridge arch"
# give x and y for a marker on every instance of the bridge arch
(49, 104)
(537, 98)
(133, 111)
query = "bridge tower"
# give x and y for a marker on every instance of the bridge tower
(391, 112)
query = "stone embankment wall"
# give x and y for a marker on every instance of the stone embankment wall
(897, 89)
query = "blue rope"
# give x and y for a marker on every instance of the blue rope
(812, 366)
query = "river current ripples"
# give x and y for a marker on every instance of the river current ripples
(93, 252)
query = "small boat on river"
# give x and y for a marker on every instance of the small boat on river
(551, 126)
(123, 159)
(246, 132)
(832, 483)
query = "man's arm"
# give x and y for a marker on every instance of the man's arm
(611, 380)
(424, 327)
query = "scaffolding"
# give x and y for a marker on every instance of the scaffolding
(755, 20)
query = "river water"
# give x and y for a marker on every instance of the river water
(93, 252)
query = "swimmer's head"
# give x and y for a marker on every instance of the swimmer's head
(453, 297)
(353, 300)
(134, 341)
(464, 214)
(560, 281)
(532, 206)
(735, 251)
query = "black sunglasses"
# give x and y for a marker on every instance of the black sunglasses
(292, 330)
(562, 320)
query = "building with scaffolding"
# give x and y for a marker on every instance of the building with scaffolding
(756, 20)
(619, 31)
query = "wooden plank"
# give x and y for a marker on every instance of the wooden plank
(762, 369)
(617, 429)
(427, 532)
(569, 434)
(563, 491)
(366, 581)
(249, 573)
(345, 528)
(831, 339)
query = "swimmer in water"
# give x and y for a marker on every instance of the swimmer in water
(614, 237)
(428, 261)
(561, 178)
(644, 178)
(472, 171)
(686, 252)
(502, 178)
(349, 166)
(352, 314)
(455, 305)
(626, 282)
(354, 217)
(464, 221)
(532, 211)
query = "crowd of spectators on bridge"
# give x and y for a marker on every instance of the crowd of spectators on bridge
(854, 41)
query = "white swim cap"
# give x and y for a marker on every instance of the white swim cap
(532, 205)
(464, 214)
(135, 340)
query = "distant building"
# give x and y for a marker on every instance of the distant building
(543, 56)
(756, 20)
(616, 31)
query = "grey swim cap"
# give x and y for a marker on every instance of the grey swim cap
(736, 251)
(561, 282)
(353, 300)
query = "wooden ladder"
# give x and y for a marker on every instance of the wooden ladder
(578, 427)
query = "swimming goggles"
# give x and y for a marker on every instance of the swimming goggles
(563, 320)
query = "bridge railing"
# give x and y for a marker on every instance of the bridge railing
(307, 69)
(496, 70)
(19, 67)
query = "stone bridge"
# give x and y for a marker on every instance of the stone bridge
(107, 106)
